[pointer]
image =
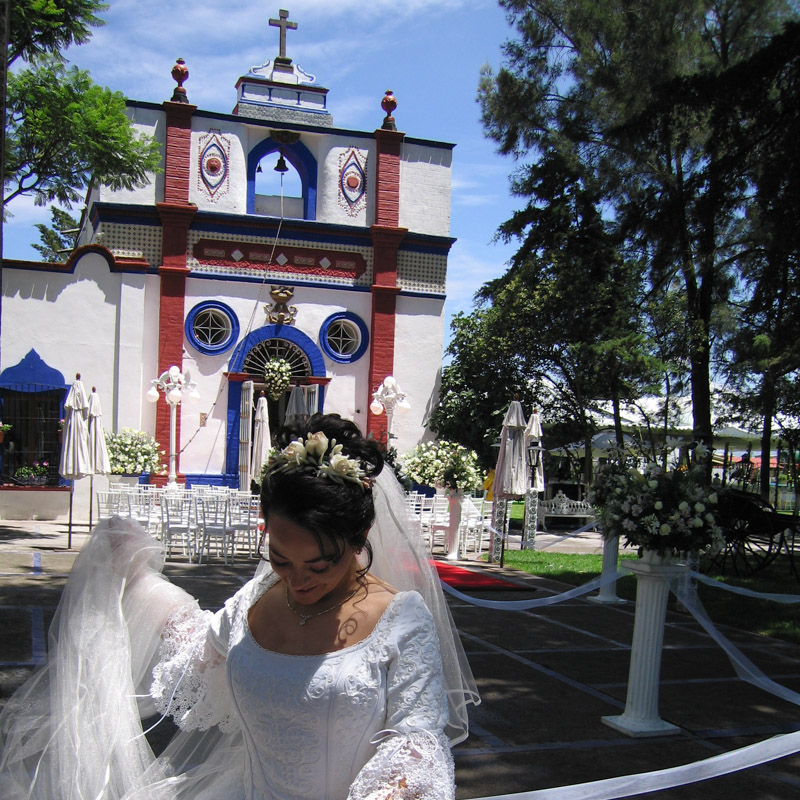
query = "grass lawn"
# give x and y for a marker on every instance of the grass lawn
(778, 620)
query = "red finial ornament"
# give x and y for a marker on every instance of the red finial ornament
(180, 73)
(389, 104)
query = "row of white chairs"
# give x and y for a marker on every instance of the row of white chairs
(433, 514)
(196, 520)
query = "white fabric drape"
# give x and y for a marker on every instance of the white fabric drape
(98, 452)
(261, 439)
(511, 472)
(75, 460)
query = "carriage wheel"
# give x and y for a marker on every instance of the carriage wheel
(750, 550)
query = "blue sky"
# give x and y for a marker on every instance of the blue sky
(428, 52)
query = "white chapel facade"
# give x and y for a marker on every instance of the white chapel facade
(211, 268)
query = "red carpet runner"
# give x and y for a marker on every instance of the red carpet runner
(461, 579)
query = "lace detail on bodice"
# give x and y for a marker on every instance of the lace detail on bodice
(189, 678)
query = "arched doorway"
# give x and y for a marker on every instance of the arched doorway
(255, 362)
(247, 368)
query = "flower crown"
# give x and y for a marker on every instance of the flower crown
(308, 455)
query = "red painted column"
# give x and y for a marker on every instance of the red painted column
(176, 216)
(386, 238)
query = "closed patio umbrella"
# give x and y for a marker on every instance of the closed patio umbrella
(261, 439)
(511, 472)
(75, 462)
(297, 405)
(533, 436)
(98, 453)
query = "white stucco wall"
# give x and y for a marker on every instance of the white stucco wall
(93, 322)
(419, 337)
(146, 122)
(425, 189)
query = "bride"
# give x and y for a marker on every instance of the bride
(336, 672)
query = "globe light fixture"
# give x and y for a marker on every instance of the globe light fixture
(172, 383)
(386, 398)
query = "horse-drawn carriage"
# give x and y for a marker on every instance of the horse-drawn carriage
(755, 534)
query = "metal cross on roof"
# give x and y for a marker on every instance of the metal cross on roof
(283, 23)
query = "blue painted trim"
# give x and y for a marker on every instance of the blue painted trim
(232, 432)
(300, 157)
(339, 357)
(287, 332)
(207, 479)
(32, 370)
(212, 350)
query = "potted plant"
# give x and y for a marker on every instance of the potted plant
(4, 429)
(277, 377)
(132, 452)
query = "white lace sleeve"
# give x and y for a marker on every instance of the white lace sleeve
(413, 761)
(189, 681)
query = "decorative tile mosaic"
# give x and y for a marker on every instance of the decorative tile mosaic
(353, 181)
(213, 174)
(286, 255)
(132, 241)
(422, 272)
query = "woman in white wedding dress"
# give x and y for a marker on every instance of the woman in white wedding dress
(334, 673)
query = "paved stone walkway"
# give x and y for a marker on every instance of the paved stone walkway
(546, 676)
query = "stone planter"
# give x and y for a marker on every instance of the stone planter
(640, 717)
(125, 480)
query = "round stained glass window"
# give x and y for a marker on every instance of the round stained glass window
(344, 337)
(212, 327)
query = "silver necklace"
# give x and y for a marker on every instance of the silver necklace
(306, 617)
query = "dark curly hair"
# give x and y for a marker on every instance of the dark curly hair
(338, 513)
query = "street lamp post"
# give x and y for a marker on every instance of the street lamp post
(388, 397)
(173, 383)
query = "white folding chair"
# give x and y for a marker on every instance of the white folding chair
(178, 521)
(245, 519)
(214, 521)
(108, 505)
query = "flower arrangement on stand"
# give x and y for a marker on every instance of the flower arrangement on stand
(665, 511)
(132, 452)
(443, 464)
(277, 377)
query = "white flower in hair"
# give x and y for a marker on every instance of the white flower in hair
(317, 444)
(295, 451)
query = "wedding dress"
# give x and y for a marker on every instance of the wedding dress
(368, 722)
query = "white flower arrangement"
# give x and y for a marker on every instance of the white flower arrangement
(277, 377)
(132, 452)
(443, 464)
(668, 511)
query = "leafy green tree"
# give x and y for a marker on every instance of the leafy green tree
(586, 79)
(477, 386)
(38, 27)
(64, 131)
(569, 302)
(58, 237)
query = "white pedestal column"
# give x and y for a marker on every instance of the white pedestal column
(608, 591)
(453, 529)
(499, 511)
(640, 717)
